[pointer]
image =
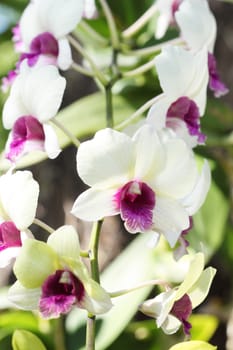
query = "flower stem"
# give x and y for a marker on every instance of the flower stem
(154, 48)
(98, 74)
(111, 24)
(136, 26)
(43, 225)
(75, 141)
(59, 338)
(83, 25)
(109, 109)
(93, 255)
(137, 114)
(139, 286)
(140, 70)
(75, 66)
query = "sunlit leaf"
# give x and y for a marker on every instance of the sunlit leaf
(24, 340)
(193, 345)
(203, 326)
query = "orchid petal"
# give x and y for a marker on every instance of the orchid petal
(30, 19)
(158, 112)
(65, 242)
(24, 298)
(19, 195)
(171, 325)
(51, 145)
(64, 59)
(66, 15)
(181, 171)
(199, 291)
(196, 198)
(197, 24)
(35, 263)
(170, 219)
(104, 169)
(195, 270)
(147, 143)
(94, 204)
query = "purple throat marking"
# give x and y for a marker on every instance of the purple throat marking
(136, 202)
(9, 235)
(182, 309)
(186, 109)
(26, 128)
(60, 292)
(43, 44)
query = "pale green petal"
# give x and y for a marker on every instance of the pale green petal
(171, 325)
(65, 242)
(193, 345)
(24, 298)
(96, 300)
(25, 340)
(195, 269)
(201, 288)
(35, 263)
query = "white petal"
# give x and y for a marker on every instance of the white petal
(158, 112)
(94, 204)
(170, 219)
(96, 300)
(201, 288)
(7, 255)
(30, 19)
(51, 144)
(19, 195)
(197, 24)
(89, 9)
(14, 106)
(23, 298)
(192, 70)
(42, 91)
(196, 198)
(64, 58)
(65, 242)
(171, 325)
(106, 160)
(150, 153)
(180, 172)
(164, 19)
(61, 16)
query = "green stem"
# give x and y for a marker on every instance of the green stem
(137, 114)
(136, 26)
(93, 255)
(139, 286)
(44, 226)
(140, 70)
(75, 141)
(98, 74)
(92, 33)
(109, 107)
(153, 49)
(59, 339)
(111, 24)
(81, 70)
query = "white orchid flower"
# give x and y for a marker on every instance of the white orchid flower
(57, 279)
(141, 178)
(18, 202)
(172, 308)
(166, 9)
(35, 98)
(183, 77)
(198, 29)
(43, 28)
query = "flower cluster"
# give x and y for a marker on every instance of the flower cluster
(149, 177)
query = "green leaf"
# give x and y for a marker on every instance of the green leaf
(193, 345)
(203, 326)
(24, 340)
(82, 118)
